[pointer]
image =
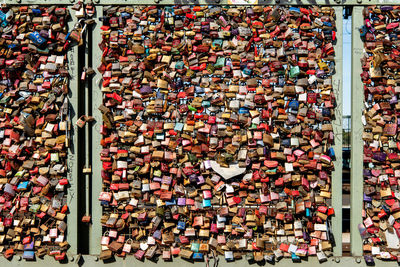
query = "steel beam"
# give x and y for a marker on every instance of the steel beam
(337, 129)
(356, 169)
(97, 100)
(73, 172)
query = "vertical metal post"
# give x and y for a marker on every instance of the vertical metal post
(96, 229)
(72, 231)
(87, 128)
(357, 96)
(337, 129)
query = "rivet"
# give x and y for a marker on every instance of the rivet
(96, 259)
(358, 260)
(72, 1)
(337, 259)
(97, 1)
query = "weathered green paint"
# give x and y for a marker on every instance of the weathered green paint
(357, 106)
(72, 218)
(97, 100)
(337, 129)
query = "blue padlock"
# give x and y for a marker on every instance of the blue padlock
(199, 90)
(285, 142)
(125, 15)
(29, 255)
(294, 104)
(326, 112)
(178, 127)
(295, 258)
(170, 202)
(331, 153)
(247, 71)
(29, 246)
(36, 38)
(198, 256)
(294, 10)
(385, 208)
(243, 111)
(363, 31)
(23, 186)
(260, 142)
(181, 225)
(393, 36)
(206, 203)
(169, 9)
(308, 212)
(104, 203)
(2, 16)
(36, 11)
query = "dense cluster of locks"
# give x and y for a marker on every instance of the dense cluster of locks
(217, 131)
(35, 127)
(380, 65)
(34, 130)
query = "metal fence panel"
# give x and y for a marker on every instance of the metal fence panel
(92, 146)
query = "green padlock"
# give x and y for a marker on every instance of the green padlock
(160, 211)
(220, 63)
(210, 68)
(192, 157)
(190, 73)
(228, 157)
(294, 72)
(192, 108)
(195, 247)
(157, 173)
(34, 208)
(206, 103)
(179, 65)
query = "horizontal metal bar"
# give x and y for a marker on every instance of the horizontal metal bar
(93, 261)
(211, 2)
